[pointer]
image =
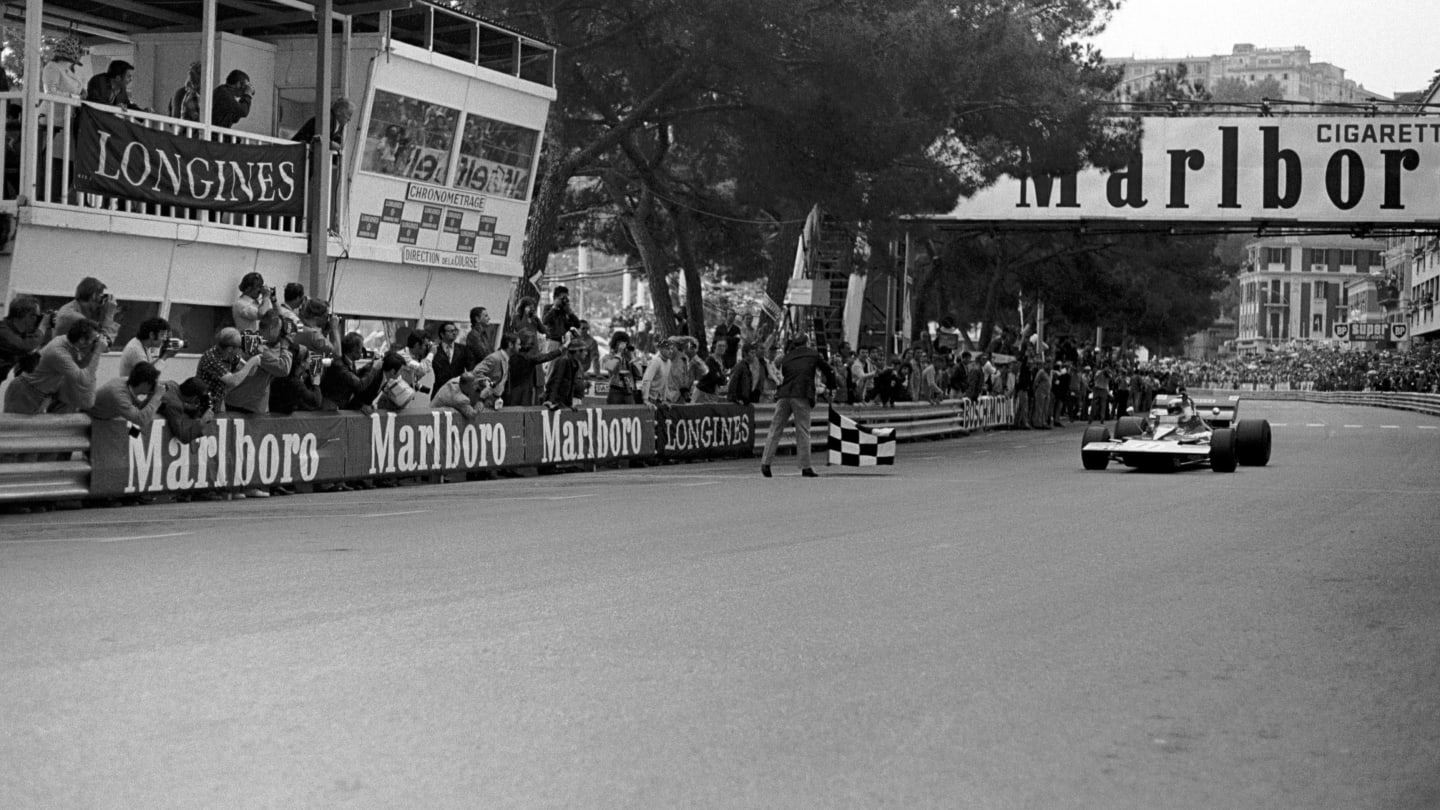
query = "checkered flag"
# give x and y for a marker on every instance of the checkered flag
(854, 445)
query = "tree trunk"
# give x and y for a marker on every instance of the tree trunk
(694, 291)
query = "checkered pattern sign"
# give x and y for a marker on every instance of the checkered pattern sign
(854, 445)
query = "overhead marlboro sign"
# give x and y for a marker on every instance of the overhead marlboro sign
(119, 158)
(1301, 170)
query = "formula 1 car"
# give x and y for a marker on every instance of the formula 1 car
(1180, 433)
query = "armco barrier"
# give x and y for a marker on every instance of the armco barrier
(38, 457)
(911, 421)
(1394, 400)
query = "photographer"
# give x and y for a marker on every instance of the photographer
(152, 344)
(300, 389)
(63, 381)
(186, 409)
(396, 393)
(134, 397)
(221, 368)
(23, 331)
(252, 394)
(254, 301)
(92, 302)
(319, 331)
(620, 369)
(352, 382)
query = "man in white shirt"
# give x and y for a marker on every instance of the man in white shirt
(150, 345)
(861, 373)
(254, 301)
(660, 386)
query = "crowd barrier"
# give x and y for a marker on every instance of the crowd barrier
(1403, 401)
(73, 457)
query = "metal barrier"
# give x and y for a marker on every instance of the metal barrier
(37, 457)
(1395, 400)
(911, 421)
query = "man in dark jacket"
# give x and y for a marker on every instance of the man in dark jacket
(566, 376)
(794, 399)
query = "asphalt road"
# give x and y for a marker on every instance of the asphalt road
(986, 625)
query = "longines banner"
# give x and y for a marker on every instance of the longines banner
(1212, 169)
(720, 430)
(119, 158)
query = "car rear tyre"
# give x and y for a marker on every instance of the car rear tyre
(1252, 442)
(1222, 450)
(1094, 459)
(1129, 426)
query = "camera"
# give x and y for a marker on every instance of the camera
(173, 345)
(250, 343)
(398, 392)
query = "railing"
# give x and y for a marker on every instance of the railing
(54, 184)
(911, 421)
(1420, 403)
(38, 458)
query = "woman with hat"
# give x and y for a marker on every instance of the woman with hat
(567, 376)
(61, 75)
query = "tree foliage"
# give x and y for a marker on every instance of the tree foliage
(696, 135)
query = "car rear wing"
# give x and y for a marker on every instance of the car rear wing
(1218, 411)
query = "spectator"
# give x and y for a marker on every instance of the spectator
(494, 373)
(710, 375)
(1041, 392)
(478, 341)
(185, 102)
(524, 369)
(559, 318)
(890, 384)
(747, 378)
(151, 345)
(794, 400)
(418, 359)
(113, 86)
(61, 75)
(772, 372)
(931, 379)
(254, 300)
(690, 368)
(1024, 384)
(729, 332)
(318, 330)
(566, 383)
(274, 361)
(659, 386)
(862, 375)
(348, 384)
(1100, 391)
(451, 358)
(221, 369)
(974, 377)
(298, 390)
(294, 302)
(527, 326)
(590, 363)
(92, 302)
(23, 331)
(396, 393)
(341, 111)
(134, 397)
(64, 378)
(231, 100)
(619, 368)
(466, 394)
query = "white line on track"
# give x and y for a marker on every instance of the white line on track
(1428, 427)
(1354, 426)
(1279, 424)
(226, 517)
(1315, 424)
(1389, 427)
(101, 539)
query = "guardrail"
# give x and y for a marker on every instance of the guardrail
(911, 421)
(1395, 400)
(37, 458)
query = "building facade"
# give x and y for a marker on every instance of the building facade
(1294, 289)
(1412, 266)
(1299, 77)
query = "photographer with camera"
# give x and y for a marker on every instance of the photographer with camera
(255, 300)
(23, 331)
(620, 368)
(319, 330)
(272, 351)
(63, 381)
(396, 393)
(352, 381)
(152, 344)
(224, 366)
(300, 389)
(135, 397)
(92, 302)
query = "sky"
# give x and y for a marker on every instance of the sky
(1388, 46)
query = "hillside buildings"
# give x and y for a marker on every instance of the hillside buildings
(1291, 67)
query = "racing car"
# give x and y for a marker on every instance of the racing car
(1180, 433)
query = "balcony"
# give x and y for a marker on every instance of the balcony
(57, 203)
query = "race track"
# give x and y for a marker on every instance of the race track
(986, 625)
